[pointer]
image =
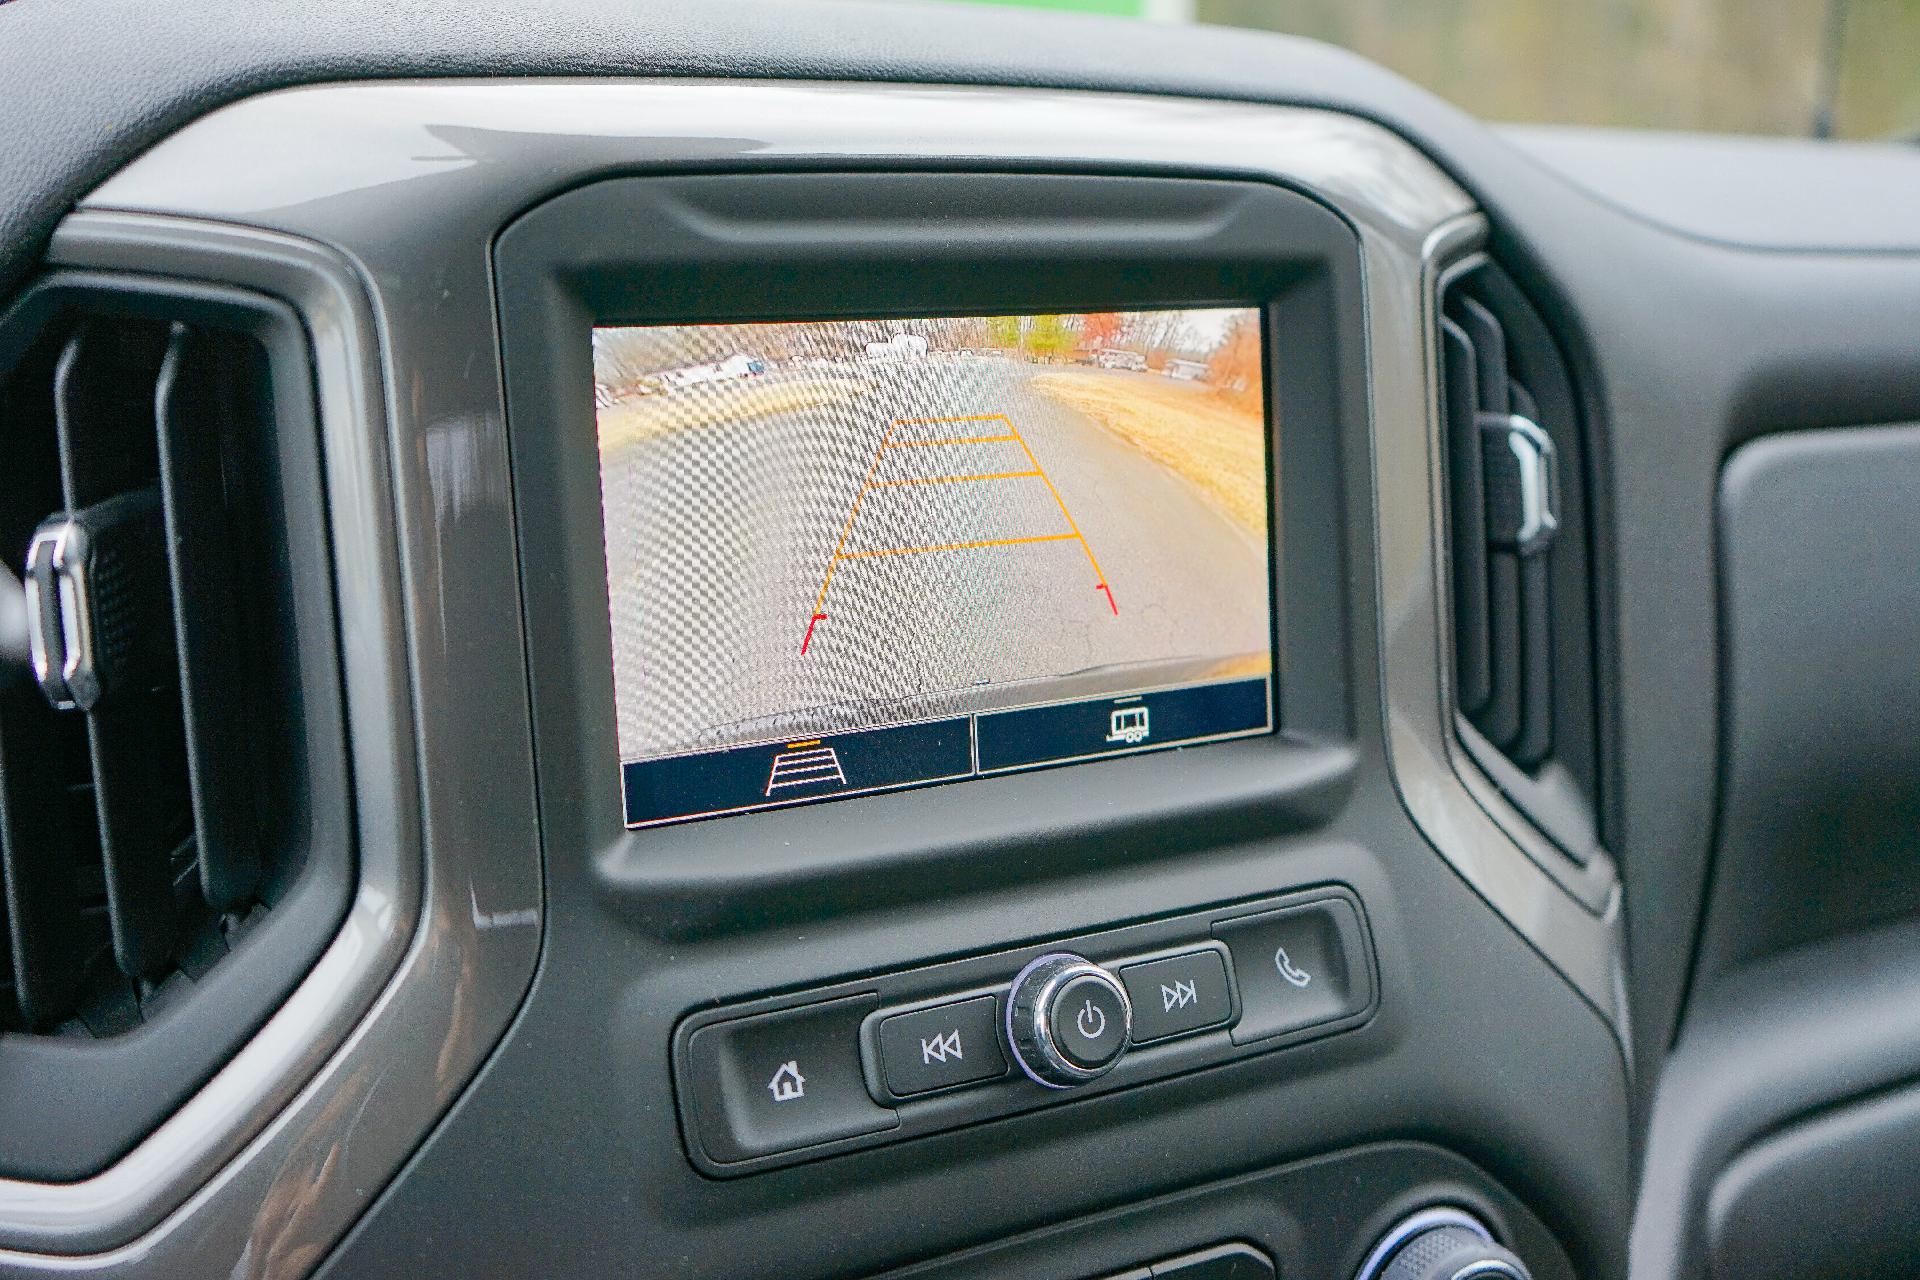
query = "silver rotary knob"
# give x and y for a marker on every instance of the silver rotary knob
(1068, 1020)
(1442, 1243)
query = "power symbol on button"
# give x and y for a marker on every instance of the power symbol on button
(1092, 1021)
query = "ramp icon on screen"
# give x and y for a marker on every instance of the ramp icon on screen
(805, 764)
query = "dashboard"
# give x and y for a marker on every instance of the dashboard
(812, 641)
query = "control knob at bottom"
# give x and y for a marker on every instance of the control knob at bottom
(1068, 1020)
(1441, 1244)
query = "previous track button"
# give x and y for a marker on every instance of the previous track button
(938, 1048)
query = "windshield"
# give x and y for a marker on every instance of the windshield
(1807, 68)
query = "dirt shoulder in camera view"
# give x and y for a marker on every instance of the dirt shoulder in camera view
(1216, 445)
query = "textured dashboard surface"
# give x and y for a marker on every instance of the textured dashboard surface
(1767, 193)
(94, 82)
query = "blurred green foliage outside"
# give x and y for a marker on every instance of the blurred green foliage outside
(1849, 68)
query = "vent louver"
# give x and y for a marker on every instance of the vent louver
(170, 776)
(1521, 586)
(114, 822)
(1505, 503)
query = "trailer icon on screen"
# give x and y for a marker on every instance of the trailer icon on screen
(1129, 725)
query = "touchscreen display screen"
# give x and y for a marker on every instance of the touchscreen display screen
(850, 556)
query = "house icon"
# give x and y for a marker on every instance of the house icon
(787, 1083)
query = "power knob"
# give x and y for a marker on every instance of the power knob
(1442, 1243)
(1067, 1020)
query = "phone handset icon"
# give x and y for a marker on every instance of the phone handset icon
(1289, 970)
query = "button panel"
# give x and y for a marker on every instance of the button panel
(767, 1083)
(1223, 1262)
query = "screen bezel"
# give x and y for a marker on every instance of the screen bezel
(784, 245)
(977, 770)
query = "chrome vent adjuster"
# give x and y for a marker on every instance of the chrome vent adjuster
(95, 600)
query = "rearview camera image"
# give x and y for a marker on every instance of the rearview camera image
(854, 555)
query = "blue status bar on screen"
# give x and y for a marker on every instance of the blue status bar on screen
(830, 767)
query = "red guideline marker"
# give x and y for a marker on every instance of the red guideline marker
(814, 622)
(1110, 604)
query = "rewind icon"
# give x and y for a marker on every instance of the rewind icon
(942, 1047)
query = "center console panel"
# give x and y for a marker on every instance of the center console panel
(835, 991)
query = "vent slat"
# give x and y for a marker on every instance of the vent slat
(39, 930)
(135, 745)
(1474, 676)
(1500, 718)
(1489, 342)
(104, 396)
(1501, 578)
(1533, 738)
(37, 844)
(103, 410)
(204, 388)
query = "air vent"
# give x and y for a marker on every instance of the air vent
(171, 777)
(1521, 587)
(1505, 492)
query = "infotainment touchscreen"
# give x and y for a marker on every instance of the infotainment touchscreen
(851, 556)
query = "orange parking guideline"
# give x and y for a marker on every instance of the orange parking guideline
(845, 529)
(1071, 523)
(868, 484)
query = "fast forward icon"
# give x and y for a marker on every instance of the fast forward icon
(1177, 996)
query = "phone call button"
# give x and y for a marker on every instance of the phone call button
(1297, 967)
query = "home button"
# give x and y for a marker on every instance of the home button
(782, 1081)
